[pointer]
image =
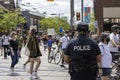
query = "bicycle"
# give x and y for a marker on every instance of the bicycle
(55, 55)
(115, 71)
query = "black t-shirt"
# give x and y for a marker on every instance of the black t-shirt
(82, 51)
(14, 44)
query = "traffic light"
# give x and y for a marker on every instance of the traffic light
(50, 0)
(78, 16)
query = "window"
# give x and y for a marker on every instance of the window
(6, 1)
(112, 20)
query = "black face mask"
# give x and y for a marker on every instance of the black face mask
(107, 39)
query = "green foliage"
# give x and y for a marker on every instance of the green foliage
(54, 22)
(92, 19)
(10, 20)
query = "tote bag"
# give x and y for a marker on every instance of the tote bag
(27, 51)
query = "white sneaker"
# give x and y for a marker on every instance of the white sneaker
(36, 75)
(24, 67)
(11, 70)
(31, 76)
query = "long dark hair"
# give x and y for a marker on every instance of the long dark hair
(33, 32)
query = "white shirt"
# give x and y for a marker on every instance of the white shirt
(64, 40)
(0, 41)
(114, 37)
(106, 60)
(5, 40)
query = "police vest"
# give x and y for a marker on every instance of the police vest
(83, 53)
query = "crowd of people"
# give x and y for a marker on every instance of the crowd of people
(86, 54)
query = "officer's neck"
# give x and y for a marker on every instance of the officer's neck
(82, 35)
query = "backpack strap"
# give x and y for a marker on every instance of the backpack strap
(102, 46)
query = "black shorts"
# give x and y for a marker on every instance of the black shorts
(33, 56)
(83, 75)
(106, 71)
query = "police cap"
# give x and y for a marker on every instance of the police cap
(82, 27)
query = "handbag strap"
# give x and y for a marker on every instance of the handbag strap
(27, 39)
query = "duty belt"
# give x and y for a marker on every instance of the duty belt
(78, 68)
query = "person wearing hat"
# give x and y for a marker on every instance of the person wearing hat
(114, 43)
(83, 55)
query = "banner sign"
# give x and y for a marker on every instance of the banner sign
(87, 14)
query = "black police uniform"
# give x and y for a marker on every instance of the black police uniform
(83, 62)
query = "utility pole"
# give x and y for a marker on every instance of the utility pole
(17, 4)
(82, 8)
(71, 13)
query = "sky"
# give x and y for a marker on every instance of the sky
(61, 7)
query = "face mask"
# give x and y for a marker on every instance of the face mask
(107, 39)
(65, 34)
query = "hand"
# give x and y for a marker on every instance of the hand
(118, 46)
(12, 53)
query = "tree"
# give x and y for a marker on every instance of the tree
(92, 19)
(10, 20)
(54, 22)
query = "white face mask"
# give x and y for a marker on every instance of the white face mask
(65, 34)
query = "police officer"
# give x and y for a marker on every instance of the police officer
(82, 54)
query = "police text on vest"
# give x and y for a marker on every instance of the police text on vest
(82, 48)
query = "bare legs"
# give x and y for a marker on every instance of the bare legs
(38, 63)
(32, 61)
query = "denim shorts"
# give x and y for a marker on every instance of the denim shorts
(106, 71)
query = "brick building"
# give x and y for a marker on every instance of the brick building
(32, 19)
(8, 4)
(107, 13)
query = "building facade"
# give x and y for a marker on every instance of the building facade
(32, 19)
(107, 13)
(8, 4)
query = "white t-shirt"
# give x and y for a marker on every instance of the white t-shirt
(106, 60)
(64, 41)
(5, 40)
(110, 45)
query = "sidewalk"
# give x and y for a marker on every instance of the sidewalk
(47, 71)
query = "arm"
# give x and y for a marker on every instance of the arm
(66, 59)
(99, 58)
(11, 47)
(99, 52)
(60, 43)
(114, 43)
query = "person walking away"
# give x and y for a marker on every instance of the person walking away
(26, 40)
(14, 51)
(63, 42)
(5, 44)
(106, 59)
(50, 42)
(35, 54)
(45, 42)
(83, 55)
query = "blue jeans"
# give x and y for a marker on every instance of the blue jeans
(15, 59)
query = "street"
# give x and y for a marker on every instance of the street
(47, 71)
